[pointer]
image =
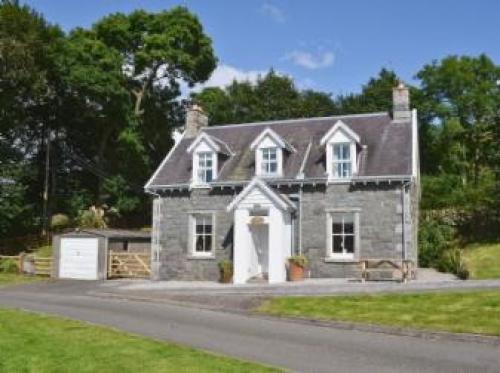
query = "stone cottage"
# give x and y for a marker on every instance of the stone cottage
(338, 190)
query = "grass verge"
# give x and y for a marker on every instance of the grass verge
(483, 261)
(36, 343)
(14, 278)
(460, 312)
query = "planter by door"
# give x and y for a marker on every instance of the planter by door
(296, 272)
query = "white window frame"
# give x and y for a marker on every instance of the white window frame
(340, 163)
(193, 234)
(198, 168)
(203, 169)
(266, 161)
(344, 256)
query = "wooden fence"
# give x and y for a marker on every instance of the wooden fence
(129, 265)
(18, 259)
(41, 266)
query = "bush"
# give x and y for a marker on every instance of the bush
(92, 218)
(434, 238)
(451, 261)
(8, 266)
(59, 222)
(226, 270)
(299, 260)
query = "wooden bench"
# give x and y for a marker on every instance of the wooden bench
(381, 266)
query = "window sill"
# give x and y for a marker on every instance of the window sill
(201, 257)
(340, 260)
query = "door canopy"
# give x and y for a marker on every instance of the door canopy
(280, 201)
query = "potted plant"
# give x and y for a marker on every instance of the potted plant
(296, 267)
(226, 271)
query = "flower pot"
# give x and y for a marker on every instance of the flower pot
(226, 278)
(295, 272)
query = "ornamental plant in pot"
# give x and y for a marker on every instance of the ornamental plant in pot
(226, 271)
(296, 267)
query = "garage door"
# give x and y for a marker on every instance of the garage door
(78, 258)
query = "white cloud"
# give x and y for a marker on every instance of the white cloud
(224, 75)
(273, 12)
(311, 61)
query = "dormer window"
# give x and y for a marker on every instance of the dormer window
(340, 143)
(207, 151)
(269, 150)
(205, 167)
(342, 162)
(269, 163)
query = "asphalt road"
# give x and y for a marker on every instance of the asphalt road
(295, 346)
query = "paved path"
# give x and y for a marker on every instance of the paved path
(299, 347)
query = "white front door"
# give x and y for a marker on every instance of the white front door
(260, 239)
(78, 258)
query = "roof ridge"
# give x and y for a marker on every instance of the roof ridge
(288, 121)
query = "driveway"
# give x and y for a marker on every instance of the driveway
(296, 346)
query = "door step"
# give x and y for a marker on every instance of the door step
(259, 279)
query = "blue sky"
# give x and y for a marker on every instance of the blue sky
(333, 46)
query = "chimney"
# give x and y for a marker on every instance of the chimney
(196, 119)
(401, 103)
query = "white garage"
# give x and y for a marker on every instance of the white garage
(79, 258)
(84, 254)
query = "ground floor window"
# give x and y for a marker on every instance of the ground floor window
(203, 234)
(342, 235)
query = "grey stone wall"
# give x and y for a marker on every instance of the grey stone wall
(175, 260)
(380, 228)
(380, 224)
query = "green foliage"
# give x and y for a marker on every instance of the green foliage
(434, 239)
(8, 266)
(44, 251)
(92, 218)
(272, 97)
(299, 260)
(59, 222)
(451, 261)
(226, 270)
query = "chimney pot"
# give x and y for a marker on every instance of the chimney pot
(401, 103)
(196, 119)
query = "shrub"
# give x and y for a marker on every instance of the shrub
(59, 222)
(8, 266)
(226, 270)
(92, 218)
(434, 238)
(451, 261)
(299, 260)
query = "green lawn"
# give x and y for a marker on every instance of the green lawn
(460, 312)
(35, 343)
(14, 278)
(483, 260)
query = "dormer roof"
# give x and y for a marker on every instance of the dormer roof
(277, 139)
(213, 142)
(340, 126)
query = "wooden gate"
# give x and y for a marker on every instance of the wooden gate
(129, 265)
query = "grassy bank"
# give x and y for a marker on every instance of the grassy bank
(460, 312)
(14, 278)
(483, 260)
(35, 343)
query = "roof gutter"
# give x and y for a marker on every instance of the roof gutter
(278, 182)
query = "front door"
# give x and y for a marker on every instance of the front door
(260, 238)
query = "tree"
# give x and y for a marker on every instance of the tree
(272, 97)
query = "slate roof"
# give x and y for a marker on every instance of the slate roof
(110, 233)
(385, 149)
